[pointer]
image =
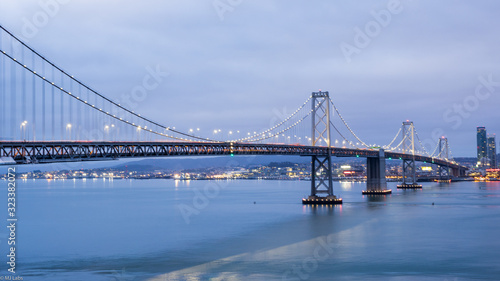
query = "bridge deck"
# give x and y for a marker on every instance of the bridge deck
(63, 151)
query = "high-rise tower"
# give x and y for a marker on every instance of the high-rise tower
(482, 153)
(492, 151)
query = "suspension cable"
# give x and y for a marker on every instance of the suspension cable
(393, 140)
(421, 144)
(436, 148)
(276, 126)
(345, 123)
(282, 131)
(95, 92)
(93, 106)
(339, 132)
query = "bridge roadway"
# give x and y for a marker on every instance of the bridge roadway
(26, 152)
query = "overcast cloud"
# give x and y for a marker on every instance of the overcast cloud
(231, 69)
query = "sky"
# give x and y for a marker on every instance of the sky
(236, 64)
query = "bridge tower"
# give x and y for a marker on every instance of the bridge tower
(321, 165)
(444, 174)
(409, 168)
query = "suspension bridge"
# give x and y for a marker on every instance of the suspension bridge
(49, 116)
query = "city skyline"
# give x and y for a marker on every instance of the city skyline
(219, 69)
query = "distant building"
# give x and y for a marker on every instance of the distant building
(492, 151)
(482, 154)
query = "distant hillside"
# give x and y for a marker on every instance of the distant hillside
(178, 163)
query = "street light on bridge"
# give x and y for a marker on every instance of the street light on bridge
(23, 130)
(106, 131)
(68, 129)
(139, 133)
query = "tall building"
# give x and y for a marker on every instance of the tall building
(482, 153)
(492, 151)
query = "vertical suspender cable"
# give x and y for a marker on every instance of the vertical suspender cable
(44, 103)
(3, 77)
(62, 107)
(53, 107)
(34, 99)
(23, 89)
(13, 104)
(71, 111)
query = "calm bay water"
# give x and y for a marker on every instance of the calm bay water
(251, 230)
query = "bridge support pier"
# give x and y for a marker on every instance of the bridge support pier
(444, 174)
(409, 175)
(458, 173)
(321, 182)
(376, 183)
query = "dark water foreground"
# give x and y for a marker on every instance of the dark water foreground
(251, 230)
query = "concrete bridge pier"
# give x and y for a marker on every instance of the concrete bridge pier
(458, 173)
(444, 174)
(409, 175)
(376, 183)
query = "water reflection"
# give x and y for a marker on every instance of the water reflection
(346, 185)
(444, 185)
(322, 209)
(411, 192)
(376, 198)
(488, 185)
